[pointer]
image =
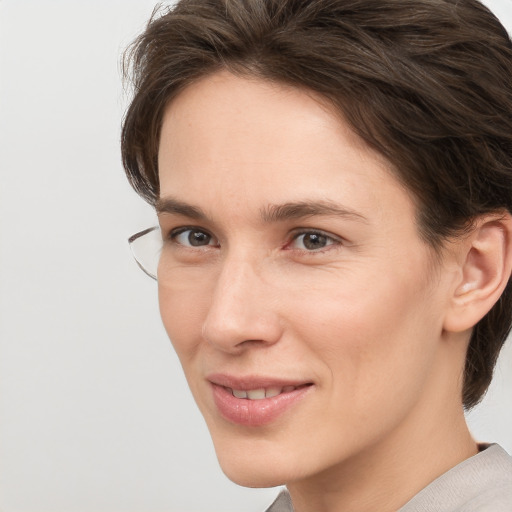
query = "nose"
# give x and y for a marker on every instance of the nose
(242, 311)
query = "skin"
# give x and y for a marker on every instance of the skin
(363, 318)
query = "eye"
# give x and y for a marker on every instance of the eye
(193, 237)
(312, 241)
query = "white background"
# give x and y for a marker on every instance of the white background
(95, 414)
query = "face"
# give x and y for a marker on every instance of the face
(304, 307)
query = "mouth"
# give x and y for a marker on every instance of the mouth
(262, 393)
(255, 402)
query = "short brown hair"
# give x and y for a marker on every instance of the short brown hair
(425, 82)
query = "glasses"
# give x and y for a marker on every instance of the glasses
(146, 247)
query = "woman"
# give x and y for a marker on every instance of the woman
(333, 182)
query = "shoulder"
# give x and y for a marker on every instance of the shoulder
(282, 503)
(482, 483)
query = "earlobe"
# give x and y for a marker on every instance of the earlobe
(486, 265)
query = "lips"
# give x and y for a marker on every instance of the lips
(255, 401)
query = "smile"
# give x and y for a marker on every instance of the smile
(255, 402)
(261, 393)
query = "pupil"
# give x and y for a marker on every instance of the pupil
(198, 238)
(314, 241)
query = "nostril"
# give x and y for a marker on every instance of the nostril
(240, 330)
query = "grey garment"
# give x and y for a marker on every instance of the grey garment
(282, 503)
(482, 483)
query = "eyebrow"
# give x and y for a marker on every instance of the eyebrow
(269, 214)
(173, 206)
(304, 209)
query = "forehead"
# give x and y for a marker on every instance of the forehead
(249, 141)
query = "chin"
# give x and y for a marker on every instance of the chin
(259, 465)
(248, 474)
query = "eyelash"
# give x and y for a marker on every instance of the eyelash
(331, 240)
(175, 233)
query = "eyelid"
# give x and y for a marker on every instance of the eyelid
(172, 234)
(181, 229)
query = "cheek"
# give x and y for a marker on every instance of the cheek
(182, 310)
(373, 336)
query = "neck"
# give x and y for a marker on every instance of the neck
(386, 475)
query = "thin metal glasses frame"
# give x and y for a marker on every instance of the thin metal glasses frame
(132, 241)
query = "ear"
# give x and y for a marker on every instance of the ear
(485, 260)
